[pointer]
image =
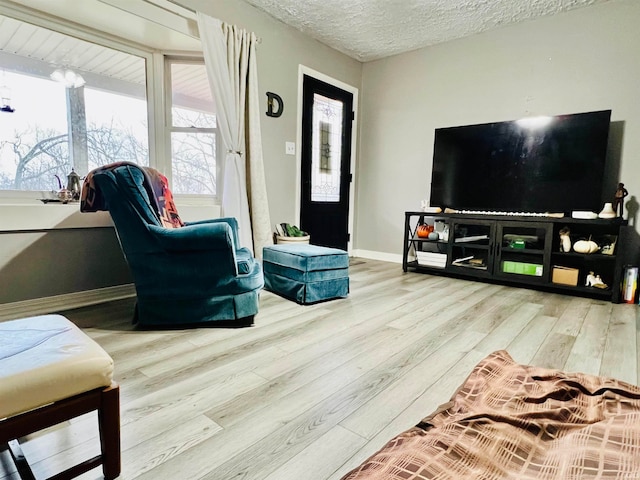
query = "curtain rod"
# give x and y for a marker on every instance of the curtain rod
(159, 4)
(175, 8)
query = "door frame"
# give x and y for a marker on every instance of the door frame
(302, 71)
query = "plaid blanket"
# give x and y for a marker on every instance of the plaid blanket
(511, 421)
(155, 184)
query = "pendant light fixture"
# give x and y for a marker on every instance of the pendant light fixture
(67, 77)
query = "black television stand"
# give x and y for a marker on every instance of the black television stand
(523, 251)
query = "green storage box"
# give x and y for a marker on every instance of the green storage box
(521, 268)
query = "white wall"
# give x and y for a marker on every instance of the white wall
(583, 60)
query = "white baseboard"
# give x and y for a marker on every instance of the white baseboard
(372, 255)
(40, 306)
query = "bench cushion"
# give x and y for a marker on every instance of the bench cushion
(306, 258)
(47, 358)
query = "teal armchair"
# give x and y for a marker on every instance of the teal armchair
(190, 275)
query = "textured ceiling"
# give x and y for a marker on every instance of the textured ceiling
(372, 29)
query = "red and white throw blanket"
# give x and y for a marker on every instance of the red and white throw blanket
(156, 185)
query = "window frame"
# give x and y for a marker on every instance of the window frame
(157, 89)
(169, 60)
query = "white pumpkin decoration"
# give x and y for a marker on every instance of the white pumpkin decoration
(586, 246)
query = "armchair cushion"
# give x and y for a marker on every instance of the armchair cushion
(244, 260)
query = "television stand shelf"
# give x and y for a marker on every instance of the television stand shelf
(523, 251)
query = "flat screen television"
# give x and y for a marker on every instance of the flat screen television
(534, 165)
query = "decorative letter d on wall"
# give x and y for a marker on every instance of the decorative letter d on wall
(280, 104)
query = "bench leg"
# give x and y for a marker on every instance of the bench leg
(109, 423)
(20, 461)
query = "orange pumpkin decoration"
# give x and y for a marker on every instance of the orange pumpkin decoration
(424, 230)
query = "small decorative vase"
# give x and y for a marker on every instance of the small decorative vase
(607, 211)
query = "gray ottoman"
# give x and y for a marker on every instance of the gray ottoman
(306, 273)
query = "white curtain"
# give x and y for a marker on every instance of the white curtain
(230, 60)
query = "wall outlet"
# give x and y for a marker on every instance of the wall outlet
(290, 148)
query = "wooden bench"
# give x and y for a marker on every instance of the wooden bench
(51, 372)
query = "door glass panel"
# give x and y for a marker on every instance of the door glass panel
(326, 149)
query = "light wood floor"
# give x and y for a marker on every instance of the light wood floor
(310, 391)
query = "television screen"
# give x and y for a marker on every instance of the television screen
(535, 165)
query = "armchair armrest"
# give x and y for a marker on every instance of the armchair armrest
(195, 237)
(231, 221)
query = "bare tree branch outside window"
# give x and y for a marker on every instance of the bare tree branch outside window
(40, 155)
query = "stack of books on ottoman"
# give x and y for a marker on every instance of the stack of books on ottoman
(432, 259)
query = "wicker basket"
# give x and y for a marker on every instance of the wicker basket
(282, 240)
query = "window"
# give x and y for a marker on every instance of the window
(67, 103)
(192, 128)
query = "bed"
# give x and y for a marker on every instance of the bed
(513, 421)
